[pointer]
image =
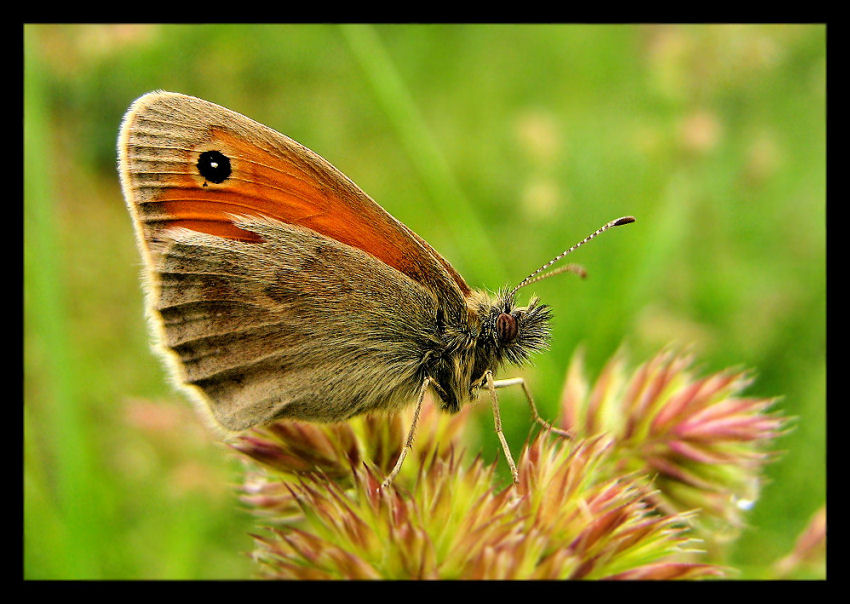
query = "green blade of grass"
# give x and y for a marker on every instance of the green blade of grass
(68, 482)
(421, 147)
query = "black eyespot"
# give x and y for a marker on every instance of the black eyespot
(214, 166)
(506, 327)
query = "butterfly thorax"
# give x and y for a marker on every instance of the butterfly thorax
(494, 332)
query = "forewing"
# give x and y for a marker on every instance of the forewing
(165, 135)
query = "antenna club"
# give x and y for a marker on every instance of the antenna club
(623, 220)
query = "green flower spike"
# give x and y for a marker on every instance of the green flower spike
(702, 442)
(654, 453)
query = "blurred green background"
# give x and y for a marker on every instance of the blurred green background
(500, 145)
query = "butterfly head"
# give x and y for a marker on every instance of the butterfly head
(497, 332)
(510, 333)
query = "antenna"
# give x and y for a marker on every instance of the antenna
(533, 277)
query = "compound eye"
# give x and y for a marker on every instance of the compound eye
(506, 327)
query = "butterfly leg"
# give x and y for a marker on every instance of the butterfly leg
(535, 415)
(409, 444)
(497, 419)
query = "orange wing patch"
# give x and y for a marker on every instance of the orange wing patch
(266, 174)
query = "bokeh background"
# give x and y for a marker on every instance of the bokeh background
(499, 144)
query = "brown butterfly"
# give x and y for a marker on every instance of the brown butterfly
(279, 289)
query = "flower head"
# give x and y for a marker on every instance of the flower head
(453, 523)
(616, 502)
(654, 451)
(701, 439)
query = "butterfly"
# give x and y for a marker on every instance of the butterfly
(279, 290)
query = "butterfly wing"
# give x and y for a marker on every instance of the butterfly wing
(166, 138)
(297, 325)
(279, 288)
